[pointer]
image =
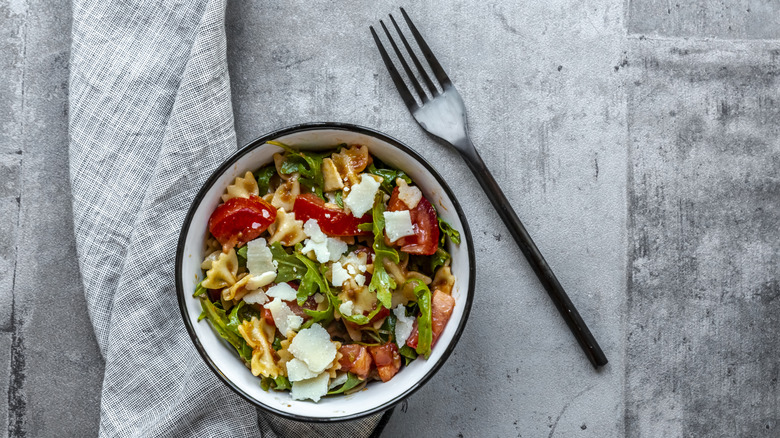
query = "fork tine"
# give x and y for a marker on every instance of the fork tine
(434, 63)
(417, 64)
(406, 95)
(408, 70)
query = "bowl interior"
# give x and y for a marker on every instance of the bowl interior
(223, 358)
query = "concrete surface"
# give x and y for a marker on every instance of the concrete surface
(637, 140)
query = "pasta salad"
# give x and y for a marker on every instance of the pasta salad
(326, 270)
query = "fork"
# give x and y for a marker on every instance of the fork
(443, 115)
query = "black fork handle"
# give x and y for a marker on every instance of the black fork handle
(535, 258)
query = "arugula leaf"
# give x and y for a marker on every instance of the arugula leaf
(381, 282)
(311, 281)
(352, 381)
(199, 290)
(289, 267)
(408, 354)
(340, 199)
(439, 258)
(447, 230)
(389, 175)
(387, 330)
(307, 164)
(241, 256)
(424, 321)
(202, 315)
(281, 383)
(277, 343)
(219, 321)
(263, 177)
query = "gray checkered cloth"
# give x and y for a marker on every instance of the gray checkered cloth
(150, 119)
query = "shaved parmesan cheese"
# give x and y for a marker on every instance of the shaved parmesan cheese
(259, 258)
(297, 371)
(325, 248)
(403, 325)
(256, 282)
(313, 347)
(346, 308)
(313, 388)
(339, 274)
(361, 197)
(294, 322)
(283, 291)
(398, 224)
(341, 378)
(280, 311)
(256, 297)
(411, 195)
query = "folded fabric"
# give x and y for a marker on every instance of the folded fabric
(150, 118)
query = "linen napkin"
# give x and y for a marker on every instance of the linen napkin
(150, 118)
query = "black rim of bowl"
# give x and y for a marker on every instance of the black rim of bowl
(182, 296)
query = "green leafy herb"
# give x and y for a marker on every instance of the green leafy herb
(447, 230)
(199, 290)
(340, 199)
(311, 281)
(202, 315)
(408, 354)
(387, 330)
(219, 320)
(277, 343)
(241, 256)
(439, 258)
(424, 321)
(289, 267)
(388, 175)
(263, 177)
(352, 381)
(381, 282)
(281, 383)
(307, 164)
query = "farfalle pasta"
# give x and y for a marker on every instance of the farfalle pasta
(326, 271)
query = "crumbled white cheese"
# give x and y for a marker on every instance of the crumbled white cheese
(258, 281)
(341, 378)
(297, 371)
(361, 197)
(313, 388)
(318, 298)
(403, 325)
(325, 248)
(256, 297)
(346, 308)
(283, 291)
(294, 322)
(338, 274)
(411, 195)
(314, 347)
(280, 311)
(360, 279)
(358, 260)
(398, 224)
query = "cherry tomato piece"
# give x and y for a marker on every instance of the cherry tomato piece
(387, 359)
(240, 220)
(442, 305)
(425, 240)
(356, 359)
(332, 221)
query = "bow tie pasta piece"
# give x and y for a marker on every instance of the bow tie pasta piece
(255, 333)
(443, 280)
(286, 230)
(223, 272)
(285, 194)
(242, 188)
(400, 273)
(350, 162)
(238, 290)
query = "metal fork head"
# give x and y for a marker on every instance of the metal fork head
(440, 113)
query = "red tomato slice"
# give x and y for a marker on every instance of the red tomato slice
(424, 221)
(356, 360)
(332, 221)
(387, 359)
(240, 220)
(442, 305)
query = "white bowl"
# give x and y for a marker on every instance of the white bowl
(223, 359)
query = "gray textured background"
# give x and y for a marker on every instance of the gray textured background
(638, 141)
